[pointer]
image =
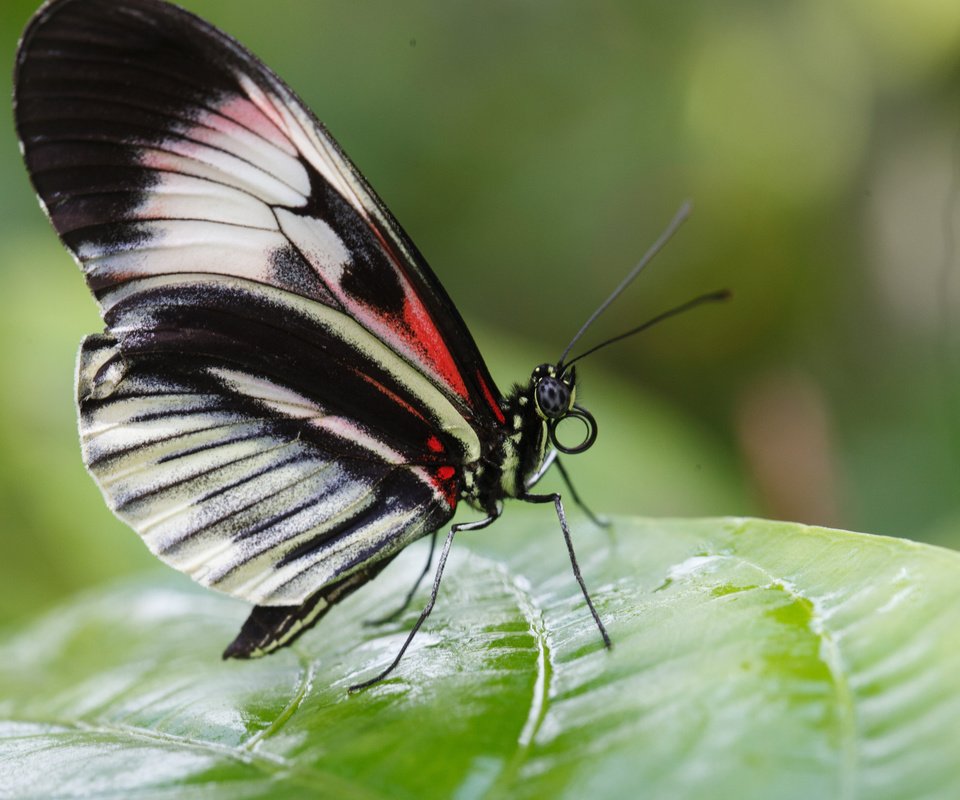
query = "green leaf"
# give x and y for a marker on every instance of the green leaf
(752, 659)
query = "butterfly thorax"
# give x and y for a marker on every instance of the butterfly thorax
(511, 457)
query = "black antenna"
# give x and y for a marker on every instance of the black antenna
(678, 219)
(710, 297)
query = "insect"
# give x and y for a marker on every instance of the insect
(284, 396)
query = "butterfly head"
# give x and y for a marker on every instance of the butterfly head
(554, 390)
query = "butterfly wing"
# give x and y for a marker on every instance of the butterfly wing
(284, 392)
(159, 145)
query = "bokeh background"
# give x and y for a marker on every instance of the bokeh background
(534, 150)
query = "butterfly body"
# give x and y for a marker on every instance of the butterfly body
(511, 460)
(284, 396)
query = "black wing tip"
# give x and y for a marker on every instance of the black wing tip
(39, 18)
(162, 9)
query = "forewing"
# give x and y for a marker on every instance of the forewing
(160, 146)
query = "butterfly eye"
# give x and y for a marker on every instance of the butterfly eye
(553, 398)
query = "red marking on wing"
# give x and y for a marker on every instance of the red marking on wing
(446, 472)
(427, 339)
(445, 480)
(491, 400)
(392, 395)
(417, 329)
(435, 444)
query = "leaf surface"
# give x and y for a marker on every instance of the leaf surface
(751, 659)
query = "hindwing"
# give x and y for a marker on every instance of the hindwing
(242, 483)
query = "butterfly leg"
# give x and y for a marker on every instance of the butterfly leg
(551, 459)
(409, 598)
(463, 526)
(534, 479)
(558, 505)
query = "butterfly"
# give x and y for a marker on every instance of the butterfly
(284, 396)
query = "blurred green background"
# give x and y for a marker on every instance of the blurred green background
(534, 151)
